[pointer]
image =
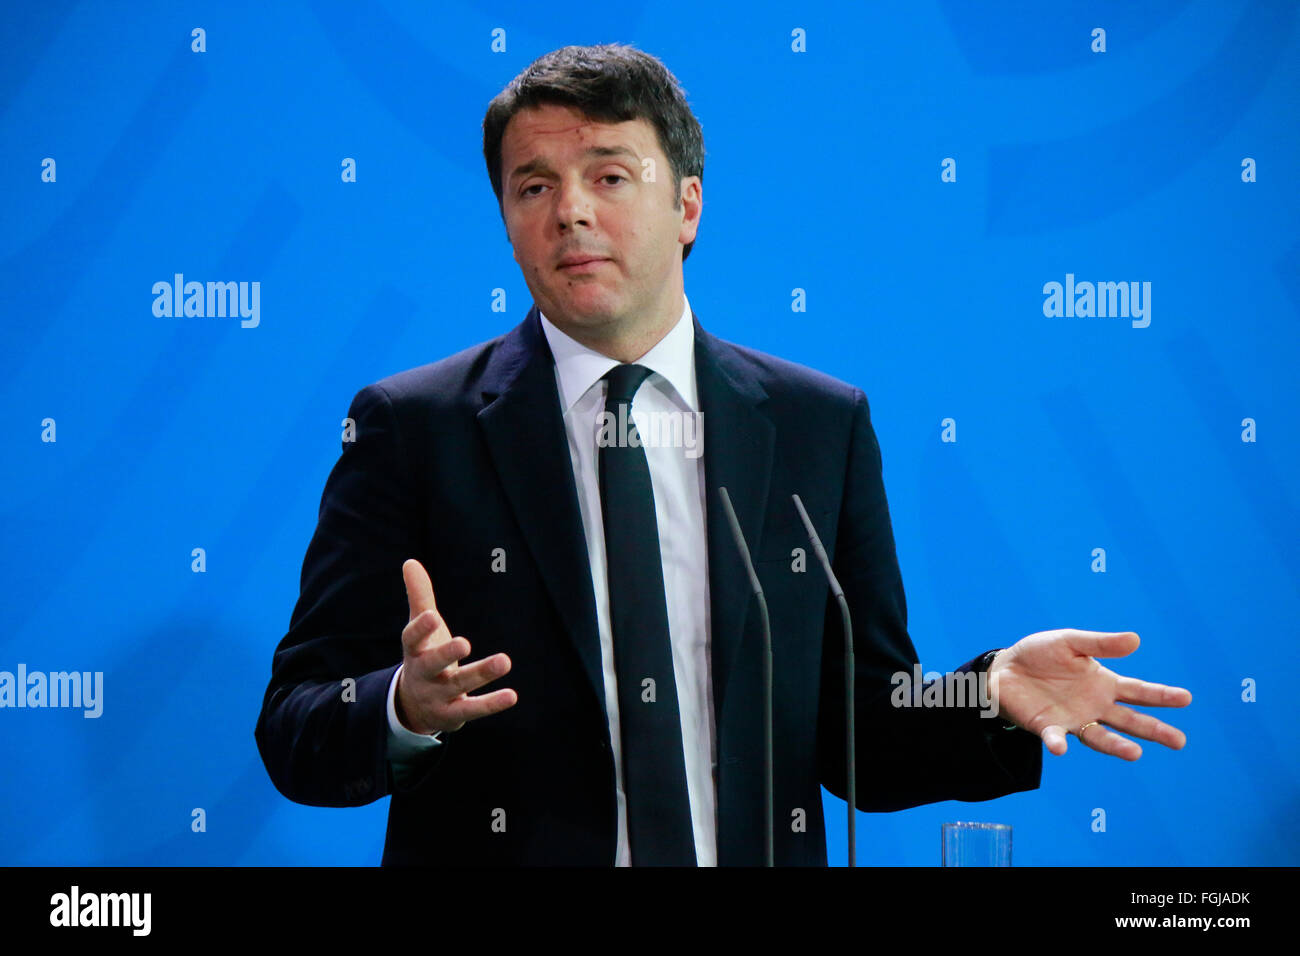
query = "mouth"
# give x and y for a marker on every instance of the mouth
(580, 263)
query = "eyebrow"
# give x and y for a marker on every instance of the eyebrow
(540, 165)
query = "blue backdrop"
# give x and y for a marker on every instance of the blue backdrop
(921, 171)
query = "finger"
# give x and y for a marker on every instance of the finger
(419, 589)
(1103, 643)
(429, 663)
(1054, 739)
(425, 631)
(1133, 691)
(484, 705)
(473, 676)
(1145, 726)
(1103, 741)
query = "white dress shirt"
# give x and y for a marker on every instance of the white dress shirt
(677, 477)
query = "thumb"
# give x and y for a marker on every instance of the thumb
(1104, 643)
(1053, 736)
(419, 589)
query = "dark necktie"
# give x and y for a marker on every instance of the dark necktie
(654, 766)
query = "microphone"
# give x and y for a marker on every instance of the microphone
(767, 672)
(851, 762)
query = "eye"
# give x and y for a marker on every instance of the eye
(527, 194)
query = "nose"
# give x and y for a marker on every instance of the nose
(573, 206)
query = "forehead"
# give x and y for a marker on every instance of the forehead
(552, 129)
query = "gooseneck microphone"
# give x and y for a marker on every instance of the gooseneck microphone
(849, 722)
(757, 588)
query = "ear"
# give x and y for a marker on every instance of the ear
(692, 201)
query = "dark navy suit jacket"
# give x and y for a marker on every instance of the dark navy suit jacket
(467, 455)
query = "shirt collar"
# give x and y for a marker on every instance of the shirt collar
(579, 367)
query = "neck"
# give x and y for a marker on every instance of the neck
(628, 342)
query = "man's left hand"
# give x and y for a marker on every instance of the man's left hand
(1051, 684)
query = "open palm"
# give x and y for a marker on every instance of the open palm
(1051, 684)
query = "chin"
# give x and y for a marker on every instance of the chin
(596, 310)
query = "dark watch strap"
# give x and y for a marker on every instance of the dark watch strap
(982, 667)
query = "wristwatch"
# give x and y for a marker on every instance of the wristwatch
(982, 667)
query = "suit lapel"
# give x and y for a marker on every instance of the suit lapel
(738, 442)
(525, 434)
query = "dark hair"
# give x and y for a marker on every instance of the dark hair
(609, 83)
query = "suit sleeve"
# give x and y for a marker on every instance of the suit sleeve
(323, 732)
(906, 756)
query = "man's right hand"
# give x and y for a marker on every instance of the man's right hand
(432, 687)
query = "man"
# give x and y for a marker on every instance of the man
(501, 494)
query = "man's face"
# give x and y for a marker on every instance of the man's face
(574, 188)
